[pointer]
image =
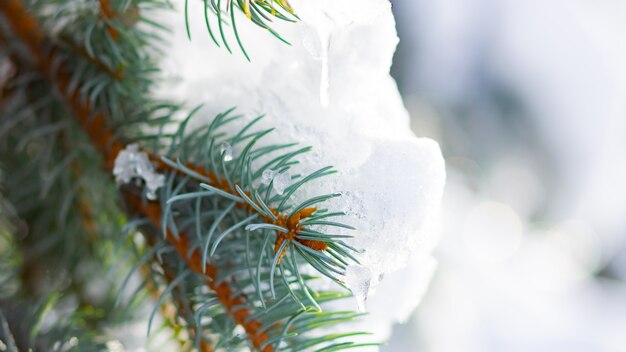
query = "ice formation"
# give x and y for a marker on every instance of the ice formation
(358, 278)
(331, 89)
(281, 180)
(226, 151)
(130, 163)
(267, 176)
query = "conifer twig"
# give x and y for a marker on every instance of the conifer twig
(27, 29)
(94, 124)
(194, 261)
(170, 314)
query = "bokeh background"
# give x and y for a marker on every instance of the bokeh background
(528, 101)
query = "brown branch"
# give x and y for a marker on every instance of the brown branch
(194, 261)
(27, 29)
(291, 223)
(168, 310)
(94, 124)
(29, 32)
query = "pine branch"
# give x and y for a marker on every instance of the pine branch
(174, 310)
(292, 225)
(102, 137)
(194, 262)
(26, 27)
(184, 310)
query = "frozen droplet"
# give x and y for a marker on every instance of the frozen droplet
(131, 163)
(267, 176)
(226, 151)
(358, 278)
(281, 182)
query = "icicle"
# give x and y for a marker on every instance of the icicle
(358, 280)
(316, 40)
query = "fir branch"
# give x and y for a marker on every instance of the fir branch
(178, 307)
(26, 27)
(102, 137)
(235, 183)
(21, 328)
(193, 259)
(21, 316)
(174, 309)
(187, 311)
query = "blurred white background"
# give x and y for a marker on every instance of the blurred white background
(528, 101)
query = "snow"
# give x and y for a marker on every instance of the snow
(130, 164)
(329, 89)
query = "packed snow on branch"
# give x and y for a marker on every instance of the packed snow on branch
(331, 89)
(131, 164)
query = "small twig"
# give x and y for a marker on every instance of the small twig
(94, 124)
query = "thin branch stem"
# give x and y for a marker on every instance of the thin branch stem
(94, 124)
(233, 305)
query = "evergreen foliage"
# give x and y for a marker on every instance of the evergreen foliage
(228, 260)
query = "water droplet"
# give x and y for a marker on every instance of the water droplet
(226, 151)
